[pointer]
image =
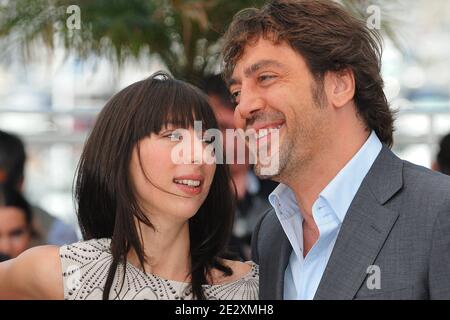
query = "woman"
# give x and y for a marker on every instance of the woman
(153, 228)
(15, 224)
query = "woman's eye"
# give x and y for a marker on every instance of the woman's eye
(174, 136)
(208, 140)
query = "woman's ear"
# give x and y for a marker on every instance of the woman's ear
(340, 87)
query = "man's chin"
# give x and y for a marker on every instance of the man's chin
(266, 173)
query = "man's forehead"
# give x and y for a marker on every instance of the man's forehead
(261, 53)
(260, 50)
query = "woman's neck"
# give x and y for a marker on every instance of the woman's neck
(167, 250)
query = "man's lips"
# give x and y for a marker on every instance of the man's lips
(264, 130)
(271, 125)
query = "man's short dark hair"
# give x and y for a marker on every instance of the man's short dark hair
(12, 159)
(329, 39)
(443, 158)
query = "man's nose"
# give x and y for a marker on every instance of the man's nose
(250, 102)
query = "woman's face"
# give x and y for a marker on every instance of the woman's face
(15, 235)
(166, 188)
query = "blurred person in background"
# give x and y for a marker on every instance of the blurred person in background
(16, 229)
(251, 191)
(49, 229)
(442, 163)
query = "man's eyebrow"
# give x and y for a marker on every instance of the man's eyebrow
(261, 64)
(248, 72)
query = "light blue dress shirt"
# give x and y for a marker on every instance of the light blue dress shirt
(303, 274)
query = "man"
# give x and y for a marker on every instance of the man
(442, 163)
(49, 230)
(350, 220)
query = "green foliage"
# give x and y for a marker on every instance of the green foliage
(184, 33)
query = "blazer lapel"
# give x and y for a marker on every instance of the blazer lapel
(364, 230)
(273, 267)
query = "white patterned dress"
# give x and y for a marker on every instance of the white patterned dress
(85, 268)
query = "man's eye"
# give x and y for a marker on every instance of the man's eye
(235, 97)
(265, 77)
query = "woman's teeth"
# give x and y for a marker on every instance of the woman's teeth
(264, 132)
(190, 183)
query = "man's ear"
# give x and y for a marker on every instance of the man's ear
(340, 87)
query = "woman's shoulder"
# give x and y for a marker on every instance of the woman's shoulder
(241, 271)
(84, 265)
(86, 248)
(243, 284)
(79, 254)
(35, 274)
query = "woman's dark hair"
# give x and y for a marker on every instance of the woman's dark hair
(10, 197)
(443, 157)
(329, 39)
(107, 205)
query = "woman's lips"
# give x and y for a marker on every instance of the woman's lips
(190, 189)
(190, 184)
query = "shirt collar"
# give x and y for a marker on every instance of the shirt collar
(339, 193)
(283, 201)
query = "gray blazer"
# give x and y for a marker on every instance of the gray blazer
(399, 221)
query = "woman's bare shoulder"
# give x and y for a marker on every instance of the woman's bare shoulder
(35, 274)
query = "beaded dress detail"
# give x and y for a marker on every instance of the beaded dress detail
(85, 268)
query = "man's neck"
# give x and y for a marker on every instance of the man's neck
(312, 179)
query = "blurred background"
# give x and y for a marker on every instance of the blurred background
(60, 61)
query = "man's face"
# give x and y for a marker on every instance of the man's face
(274, 88)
